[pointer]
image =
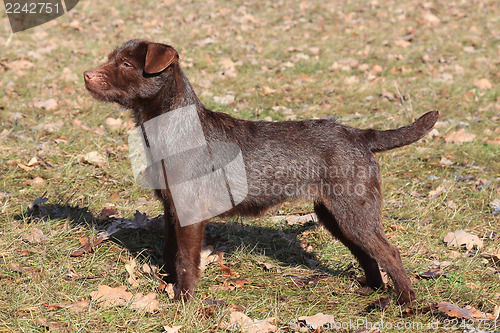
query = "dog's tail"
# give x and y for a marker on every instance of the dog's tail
(385, 140)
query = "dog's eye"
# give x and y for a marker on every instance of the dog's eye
(126, 64)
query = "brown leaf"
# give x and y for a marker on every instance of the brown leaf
(494, 257)
(302, 219)
(34, 236)
(459, 137)
(268, 90)
(238, 283)
(167, 288)
(318, 321)
(114, 197)
(107, 212)
(49, 104)
(221, 287)
(382, 303)
(402, 43)
(107, 296)
(173, 329)
(445, 162)
(113, 124)
(25, 252)
(147, 302)
(364, 291)
(93, 158)
(73, 307)
(227, 271)
(16, 267)
(484, 84)
(87, 246)
(209, 301)
(208, 257)
(430, 18)
(240, 321)
(460, 237)
(38, 181)
(53, 326)
(495, 141)
(132, 279)
(268, 266)
(468, 312)
(432, 274)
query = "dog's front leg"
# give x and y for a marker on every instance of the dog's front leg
(187, 262)
(169, 244)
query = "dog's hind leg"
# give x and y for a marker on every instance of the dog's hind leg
(369, 265)
(357, 224)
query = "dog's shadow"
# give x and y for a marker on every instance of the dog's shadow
(278, 243)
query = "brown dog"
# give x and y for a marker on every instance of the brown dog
(321, 160)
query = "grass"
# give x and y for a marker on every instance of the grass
(320, 60)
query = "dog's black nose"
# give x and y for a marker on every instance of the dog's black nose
(89, 75)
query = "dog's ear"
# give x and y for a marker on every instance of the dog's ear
(158, 57)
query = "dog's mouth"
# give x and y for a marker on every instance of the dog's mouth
(104, 92)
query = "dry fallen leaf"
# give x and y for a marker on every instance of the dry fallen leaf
(132, 279)
(207, 257)
(147, 302)
(53, 326)
(227, 271)
(460, 237)
(238, 283)
(468, 312)
(317, 321)
(113, 124)
(93, 158)
(240, 321)
(34, 236)
(106, 213)
(25, 252)
(173, 329)
(445, 162)
(268, 266)
(493, 257)
(459, 137)
(22, 269)
(87, 246)
(432, 274)
(268, 90)
(49, 104)
(107, 296)
(73, 307)
(495, 204)
(382, 303)
(167, 288)
(430, 18)
(294, 219)
(483, 84)
(435, 193)
(38, 181)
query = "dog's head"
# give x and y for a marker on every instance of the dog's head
(134, 71)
